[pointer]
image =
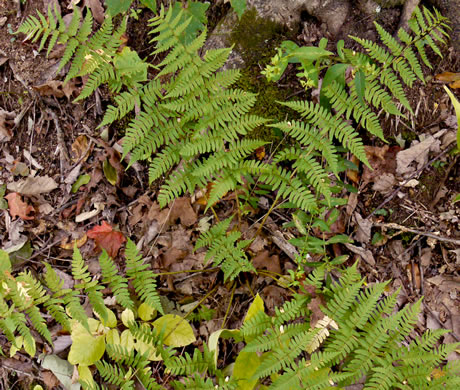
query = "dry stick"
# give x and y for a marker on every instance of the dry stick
(392, 195)
(415, 231)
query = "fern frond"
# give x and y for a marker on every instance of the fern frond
(142, 278)
(20, 322)
(343, 105)
(188, 365)
(289, 187)
(332, 126)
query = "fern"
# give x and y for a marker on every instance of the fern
(143, 279)
(225, 250)
(366, 340)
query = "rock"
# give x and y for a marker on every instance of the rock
(286, 14)
(332, 12)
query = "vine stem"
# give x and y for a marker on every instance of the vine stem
(228, 307)
(201, 301)
(187, 271)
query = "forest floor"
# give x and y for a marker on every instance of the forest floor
(405, 230)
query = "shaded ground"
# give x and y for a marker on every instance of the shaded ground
(47, 135)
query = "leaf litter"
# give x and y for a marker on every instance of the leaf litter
(167, 235)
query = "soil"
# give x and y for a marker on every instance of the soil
(398, 255)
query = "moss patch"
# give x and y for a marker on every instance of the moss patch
(256, 39)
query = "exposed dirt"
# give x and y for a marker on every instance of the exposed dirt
(50, 126)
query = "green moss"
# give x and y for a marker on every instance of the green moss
(256, 40)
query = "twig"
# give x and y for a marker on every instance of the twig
(63, 154)
(392, 195)
(415, 231)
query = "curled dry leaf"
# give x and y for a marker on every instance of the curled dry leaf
(6, 123)
(417, 154)
(57, 89)
(18, 208)
(80, 149)
(107, 238)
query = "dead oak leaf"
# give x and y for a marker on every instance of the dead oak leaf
(18, 208)
(107, 238)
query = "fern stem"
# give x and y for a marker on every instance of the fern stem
(229, 305)
(187, 271)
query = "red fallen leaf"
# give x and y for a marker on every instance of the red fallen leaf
(107, 238)
(19, 208)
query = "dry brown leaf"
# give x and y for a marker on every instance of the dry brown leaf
(172, 256)
(107, 238)
(69, 245)
(315, 307)
(181, 209)
(382, 160)
(450, 77)
(18, 208)
(57, 89)
(363, 234)
(416, 155)
(6, 124)
(33, 185)
(365, 254)
(49, 379)
(384, 183)
(80, 150)
(96, 9)
(263, 260)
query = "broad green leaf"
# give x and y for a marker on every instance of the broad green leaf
(113, 337)
(3, 202)
(130, 66)
(340, 46)
(195, 10)
(111, 319)
(239, 6)
(256, 306)
(299, 224)
(20, 252)
(339, 239)
(87, 348)
(360, 80)
(110, 172)
(85, 375)
(177, 331)
(213, 342)
(81, 181)
(146, 312)
(117, 6)
(310, 53)
(152, 4)
(127, 316)
(246, 365)
(456, 198)
(334, 73)
(62, 369)
(127, 340)
(5, 263)
(456, 105)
